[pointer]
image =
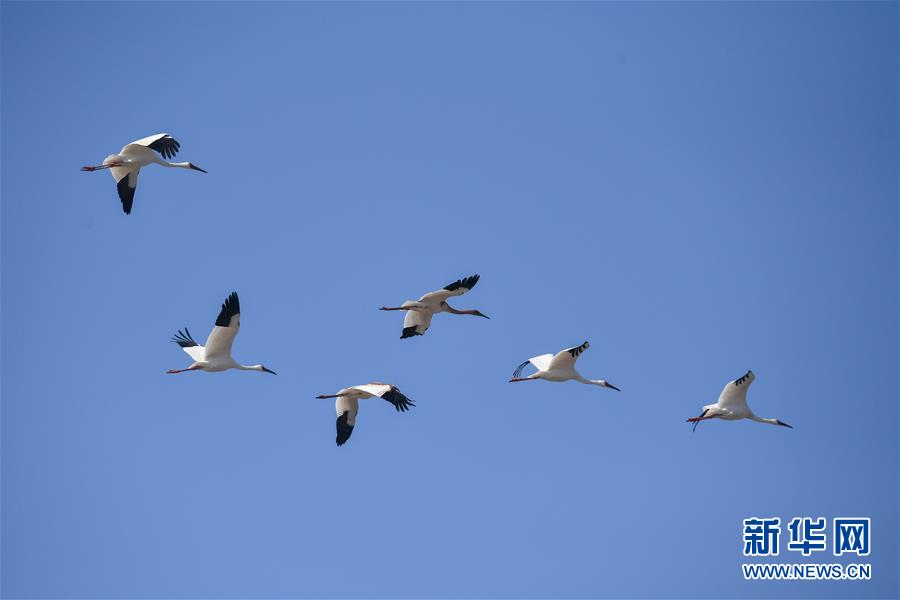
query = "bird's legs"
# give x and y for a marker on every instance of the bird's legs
(331, 396)
(398, 308)
(515, 379)
(173, 371)
(98, 167)
(696, 420)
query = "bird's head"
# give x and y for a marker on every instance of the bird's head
(265, 370)
(195, 167)
(478, 313)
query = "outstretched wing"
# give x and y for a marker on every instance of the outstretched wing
(416, 322)
(541, 363)
(565, 359)
(734, 394)
(126, 182)
(166, 145)
(457, 288)
(220, 339)
(387, 392)
(189, 345)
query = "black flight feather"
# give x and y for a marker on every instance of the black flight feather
(519, 369)
(184, 339)
(167, 146)
(576, 351)
(409, 332)
(126, 194)
(343, 429)
(742, 379)
(230, 308)
(466, 282)
(400, 402)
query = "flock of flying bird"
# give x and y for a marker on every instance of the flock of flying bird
(215, 355)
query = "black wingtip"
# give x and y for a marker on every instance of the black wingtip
(409, 332)
(740, 380)
(577, 350)
(398, 399)
(126, 194)
(230, 308)
(465, 282)
(518, 370)
(167, 146)
(697, 422)
(184, 339)
(344, 430)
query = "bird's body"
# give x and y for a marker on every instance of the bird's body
(216, 354)
(420, 312)
(126, 165)
(347, 400)
(558, 367)
(732, 404)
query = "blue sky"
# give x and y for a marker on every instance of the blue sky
(697, 189)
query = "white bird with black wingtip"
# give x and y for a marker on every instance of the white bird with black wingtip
(732, 404)
(558, 367)
(216, 354)
(126, 165)
(419, 312)
(347, 404)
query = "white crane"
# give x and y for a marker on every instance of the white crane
(216, 355)
(419, 312)
(126, 165)
(559, 367)
(732, 404)
(347, 404)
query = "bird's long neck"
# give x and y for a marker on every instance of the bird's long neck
(761, 420)
(249, 367)
(454, 311)
(181, 165)
(600, 382)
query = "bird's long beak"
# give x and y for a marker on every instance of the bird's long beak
(783, 424)
(269, 371)
(196, 168)
(609, 385)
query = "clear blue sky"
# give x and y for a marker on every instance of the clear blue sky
(696, 188)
